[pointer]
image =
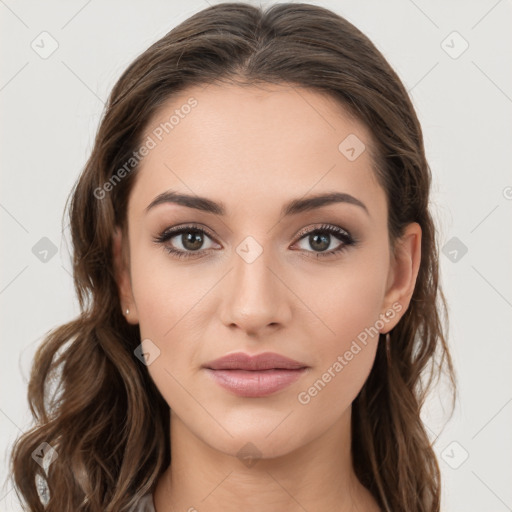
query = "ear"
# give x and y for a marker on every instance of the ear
(405, 264)
(121, 259)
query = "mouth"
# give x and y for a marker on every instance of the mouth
(255, 376)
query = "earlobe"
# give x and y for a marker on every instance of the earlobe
(404, 270)
(122, 275)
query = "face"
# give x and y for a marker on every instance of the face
(259, 273)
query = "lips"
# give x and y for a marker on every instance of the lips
(254, 376)
(264, 361)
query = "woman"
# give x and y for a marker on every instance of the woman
(256, 266)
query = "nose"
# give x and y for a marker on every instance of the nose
(255, 296)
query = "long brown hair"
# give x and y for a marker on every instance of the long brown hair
(92, 400)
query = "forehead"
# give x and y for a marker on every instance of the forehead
(255, 145)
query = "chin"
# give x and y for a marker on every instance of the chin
(258, 441)
(250, 450)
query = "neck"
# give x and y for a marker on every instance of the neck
(317, 476)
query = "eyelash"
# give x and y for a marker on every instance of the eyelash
(344, 236)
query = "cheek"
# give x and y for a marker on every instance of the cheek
(345, 300)
(345, 352)
(168, 300)
(165, 294)
(349, 307)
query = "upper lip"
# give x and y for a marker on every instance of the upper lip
(264, 361)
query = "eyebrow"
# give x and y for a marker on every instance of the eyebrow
(291, 208)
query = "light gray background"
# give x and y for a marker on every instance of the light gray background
(50, 112)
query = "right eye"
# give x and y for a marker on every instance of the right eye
(191, 239)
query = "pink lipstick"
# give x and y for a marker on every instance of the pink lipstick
(255, 376)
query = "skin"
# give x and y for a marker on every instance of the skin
(254, 149)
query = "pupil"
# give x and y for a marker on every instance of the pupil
(324, 240)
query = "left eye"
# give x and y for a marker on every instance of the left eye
(322, 237)
(321, 240)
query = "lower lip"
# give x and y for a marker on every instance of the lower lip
(255, 383)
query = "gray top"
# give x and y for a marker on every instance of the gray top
(145, 504)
